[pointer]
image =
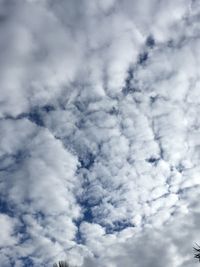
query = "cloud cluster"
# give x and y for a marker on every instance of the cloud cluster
(99, 150)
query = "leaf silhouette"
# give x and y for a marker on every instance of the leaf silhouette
(197, 252)
(61, 264)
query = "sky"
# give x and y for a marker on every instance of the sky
(99, 132)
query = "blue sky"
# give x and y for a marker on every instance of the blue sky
(99, 132)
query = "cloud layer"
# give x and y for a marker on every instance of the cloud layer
(99, 132)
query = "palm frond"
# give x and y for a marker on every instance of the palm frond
(61, 264)
(197, 252)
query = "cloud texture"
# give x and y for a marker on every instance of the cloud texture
(99, 132)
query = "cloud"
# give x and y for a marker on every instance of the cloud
(37, 188)
(99, 132)
(33, 56)
(7, 226)
(169, 245)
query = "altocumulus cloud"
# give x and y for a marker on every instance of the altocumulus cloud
(99, 132)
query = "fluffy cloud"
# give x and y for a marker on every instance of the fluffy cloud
(7, 228)
(99, 132)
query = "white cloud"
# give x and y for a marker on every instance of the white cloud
(7, 231)
(99, 132)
